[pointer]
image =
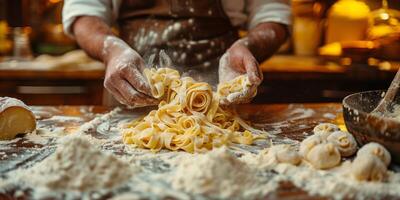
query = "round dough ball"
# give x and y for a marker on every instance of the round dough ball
(286, 154)
(368, 168)
(325, 129)
(324, 156)
(307, 144)
(376, 149)
(344, 142)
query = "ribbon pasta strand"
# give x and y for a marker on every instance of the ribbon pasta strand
(189, 116)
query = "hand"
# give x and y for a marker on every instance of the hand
(238, 60)
(124, 79)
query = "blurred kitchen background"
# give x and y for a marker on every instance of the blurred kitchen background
(336, 48)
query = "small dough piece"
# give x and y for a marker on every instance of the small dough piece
(15, 118)
(307, 144)
(324, 156)
(367, 167)
(285, 153)
(376, 149)
(344, 142)
(325, 129)
(236, 88)
(282, 153)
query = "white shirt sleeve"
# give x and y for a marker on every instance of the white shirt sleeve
(240, 12)
(104, 9)
(268, 11)
(253, 12)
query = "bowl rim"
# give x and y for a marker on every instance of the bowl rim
(368, 114)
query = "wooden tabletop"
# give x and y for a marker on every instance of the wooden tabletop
(292, 121)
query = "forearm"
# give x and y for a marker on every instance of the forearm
(91, 33)
(265, 39)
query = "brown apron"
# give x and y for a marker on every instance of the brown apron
(193, 33)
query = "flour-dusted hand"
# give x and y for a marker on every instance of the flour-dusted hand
(124, 78)
(238, 60)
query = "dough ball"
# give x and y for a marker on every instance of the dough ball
(307, 144)
(286, 154)
(344, 142)
(15, 118)
(377, 150)
(368, 168)
(325, 129)
(324, 156)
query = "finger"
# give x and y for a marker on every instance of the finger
(117, 95)
(132, 96)
(137, 80)
(252, 70)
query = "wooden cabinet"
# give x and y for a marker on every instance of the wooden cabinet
(53, 87)
(287, 79)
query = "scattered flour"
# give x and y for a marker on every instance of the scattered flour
(91, 125)
(77, 165)
(221, 174)
(329, 116)
(35, 138)
(64, 118)
(335, 183)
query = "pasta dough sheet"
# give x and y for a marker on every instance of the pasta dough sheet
(188, 117)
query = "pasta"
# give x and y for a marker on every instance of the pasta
(324, 156)
(308, 144)
(188, 117)
(367, 167)
(377, 150)
(325, 129)
(344, 142)
(235, 89)
(286, 154)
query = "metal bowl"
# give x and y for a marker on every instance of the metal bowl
(371, 128)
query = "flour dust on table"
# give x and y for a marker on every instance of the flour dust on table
(93, 162)
(83, 166)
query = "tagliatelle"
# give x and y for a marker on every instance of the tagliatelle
(188, 118)
(235, 88)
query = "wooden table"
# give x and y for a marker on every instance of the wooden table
(294, 121)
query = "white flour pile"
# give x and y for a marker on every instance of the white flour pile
(338, 185)
(77, 165)
(335, 183)
(221, 174)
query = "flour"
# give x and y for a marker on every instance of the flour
(6, 102)
(329, 116)
(300, 113)
(219, 173)
(334, 183)
(91, 125)
(77, 165)
(64, 118)
(35, 138)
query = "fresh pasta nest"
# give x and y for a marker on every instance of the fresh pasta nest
(188, 117)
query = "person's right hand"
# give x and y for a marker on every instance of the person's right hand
(124, 78)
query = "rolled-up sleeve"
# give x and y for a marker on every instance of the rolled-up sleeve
(104, 9)
(268, 11)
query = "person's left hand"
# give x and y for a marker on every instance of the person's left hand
(238, 60)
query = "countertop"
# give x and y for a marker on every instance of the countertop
(294, 121)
